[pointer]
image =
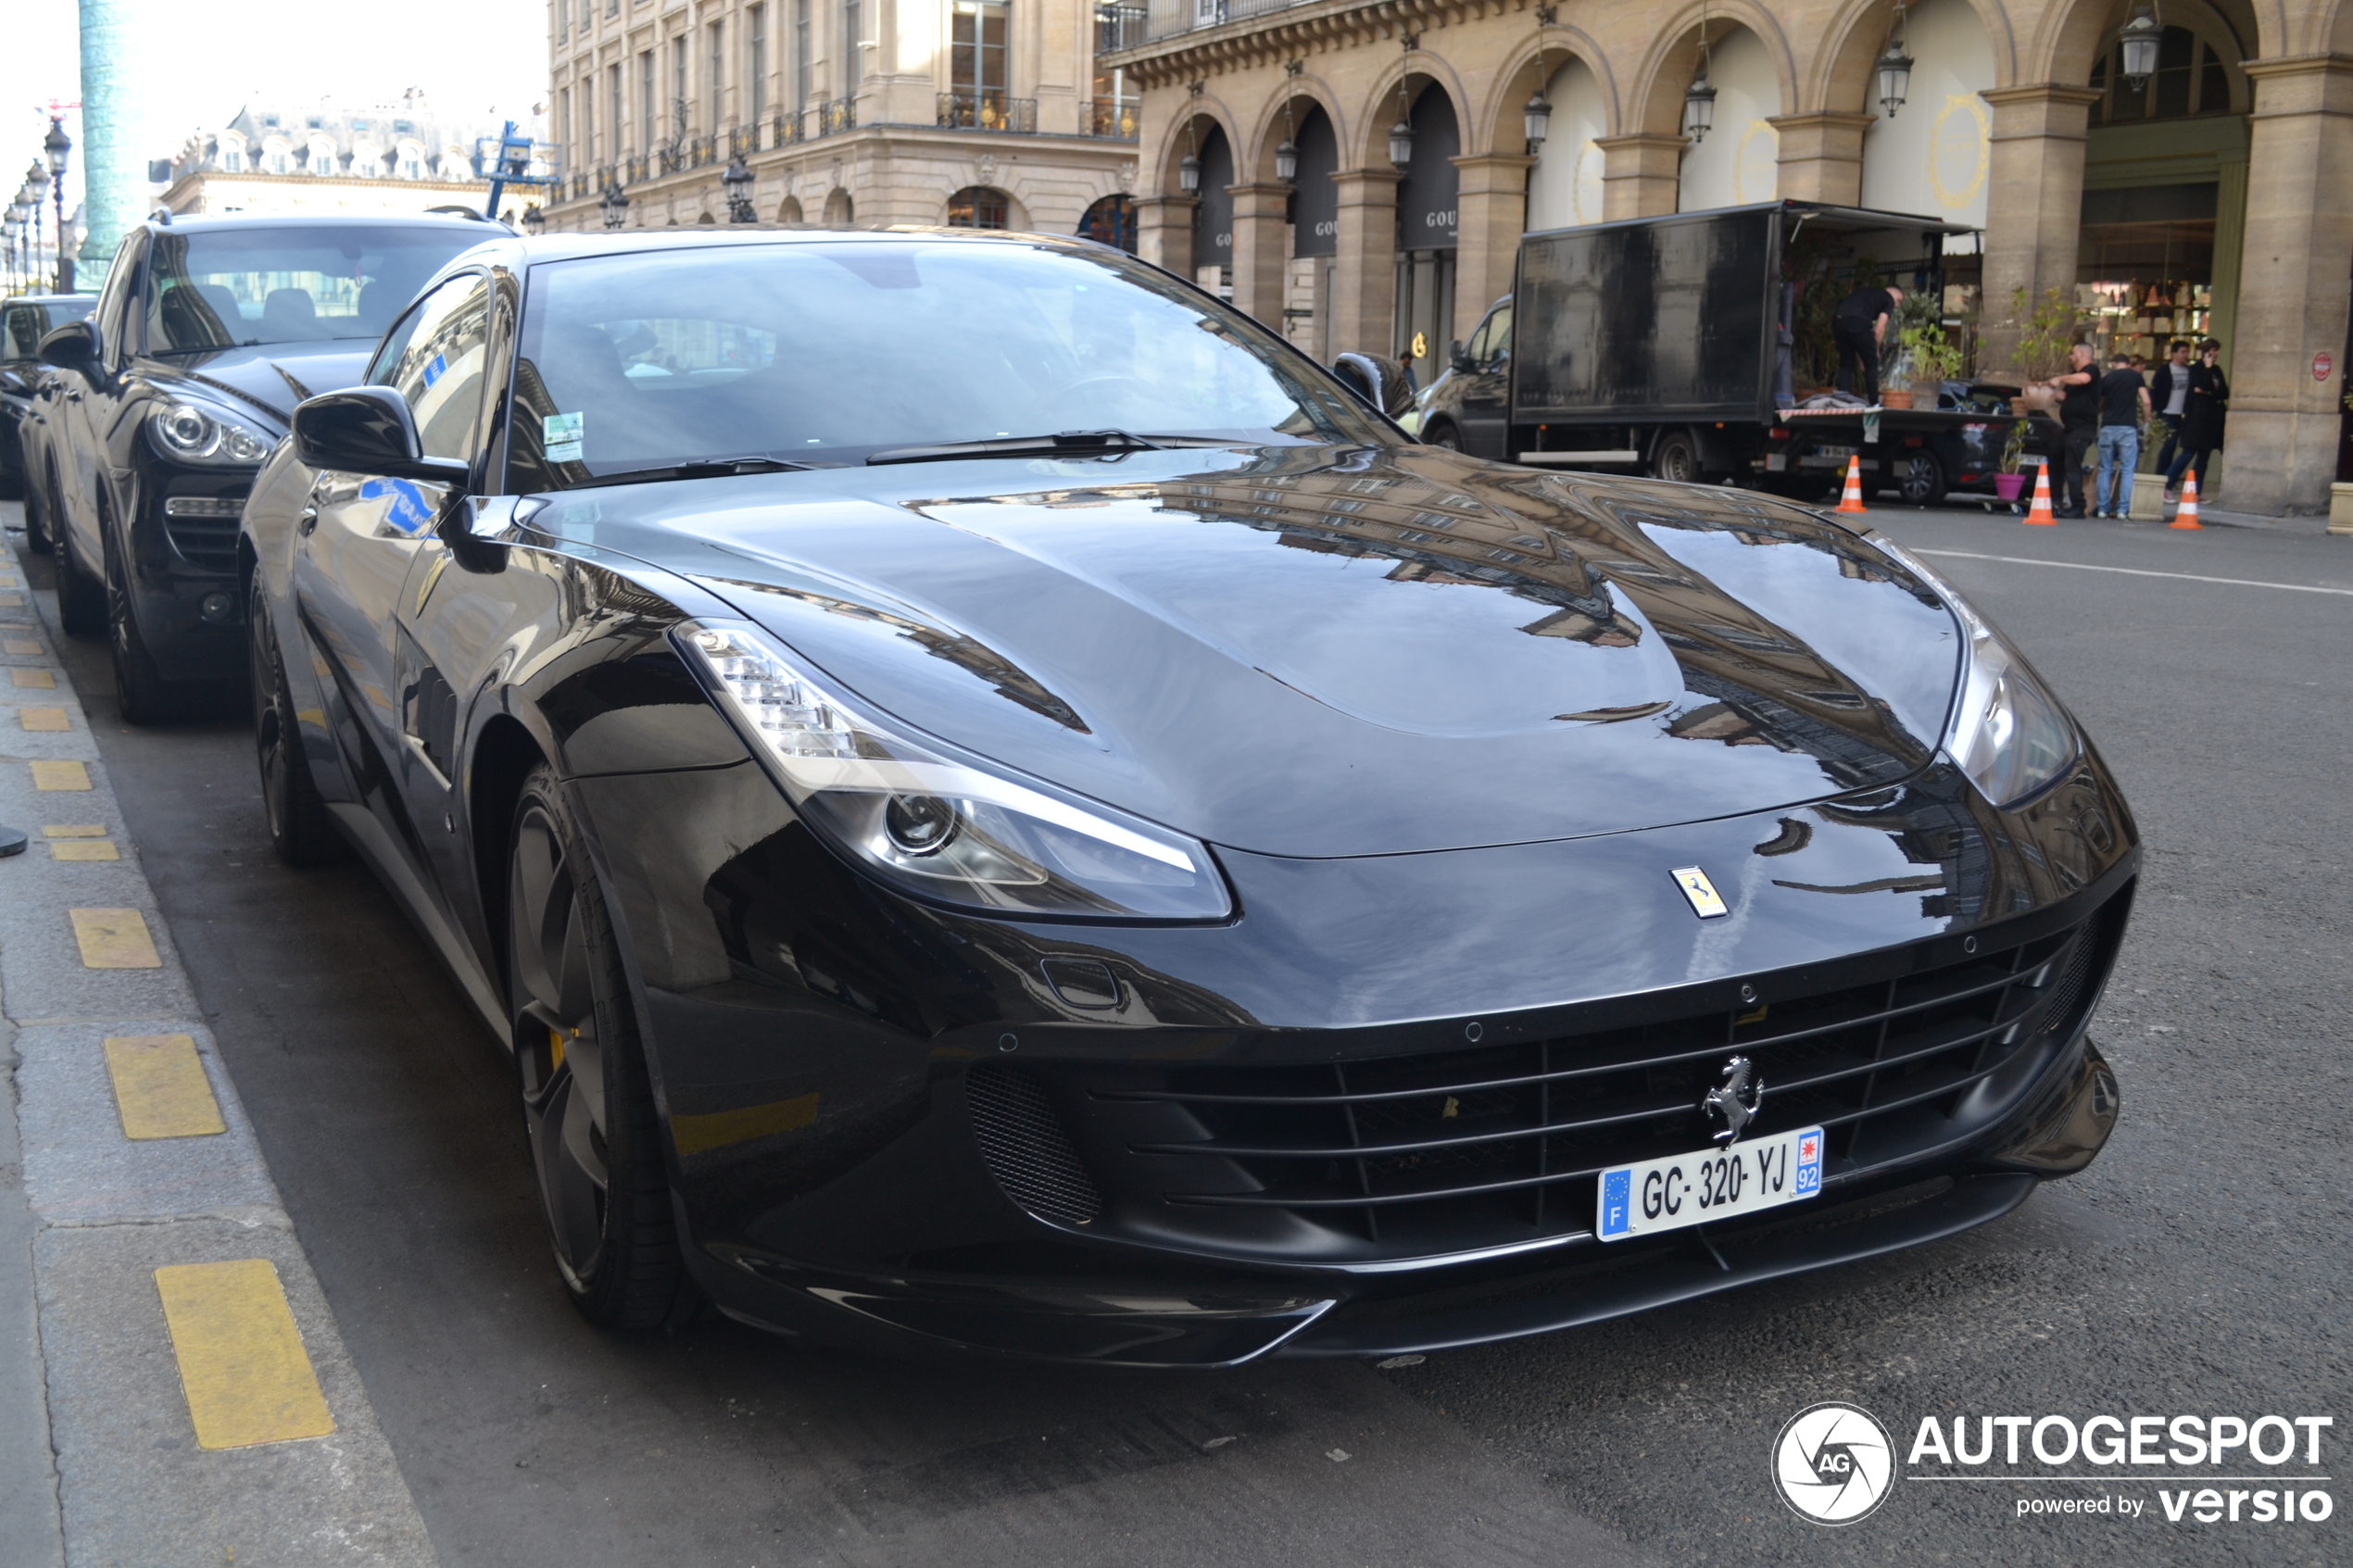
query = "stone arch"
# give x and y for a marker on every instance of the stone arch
(2074, 35)
(1666, 70)
(1301, 97)
(789, 210)
(1205, 113)
(1416, 72)
(706, 218)
(840, 207)
(1534, 63)
(1843, 76)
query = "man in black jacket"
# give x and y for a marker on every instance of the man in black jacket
(2169, 395)
(2079, 414)
(1859, 325)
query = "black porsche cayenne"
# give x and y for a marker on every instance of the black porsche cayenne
(995, 805)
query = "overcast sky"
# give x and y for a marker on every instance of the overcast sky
(470, 56)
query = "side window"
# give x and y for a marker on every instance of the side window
(436, 358)
(1477, 350)
(115, 313)
(1499, 340)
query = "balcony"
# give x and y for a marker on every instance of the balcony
(835, 115)
(1118, 26)
(988, 111)
(1170, 17)
(1117, 119)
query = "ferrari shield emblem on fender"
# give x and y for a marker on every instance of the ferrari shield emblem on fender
(1706, 902)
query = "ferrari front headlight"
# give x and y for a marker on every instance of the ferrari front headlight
(938, 827)
(2008, 732)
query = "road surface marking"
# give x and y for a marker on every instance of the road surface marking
(19, 645)
(160, 1087)
(11, 599)
(242, 1365)
(114, 939)
(84, 849)
(42, 719)
(2135, 571)
(60, 775)
(73, 830)
(44, 679)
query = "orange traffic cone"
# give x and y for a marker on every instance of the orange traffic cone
(1852, 500)
(2039, 513)
(2185, 516)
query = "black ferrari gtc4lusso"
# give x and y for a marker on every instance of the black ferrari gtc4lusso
(996, 805)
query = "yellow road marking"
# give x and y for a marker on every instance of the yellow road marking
(42, 719)
(19, 645)
(84, 849)
(160, 1087)
(73, 830)
(114, 939)
(60, 775)
(11, 599)
(696, 1134)
(242, 1365)
(46, 680)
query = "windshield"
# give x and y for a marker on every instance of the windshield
(22, 326)
(828, 353)
(231, 288)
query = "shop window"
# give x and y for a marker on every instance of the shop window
(1111, 222)
(2191, 79)
(977, 207)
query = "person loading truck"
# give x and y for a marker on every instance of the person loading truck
(1859, 324)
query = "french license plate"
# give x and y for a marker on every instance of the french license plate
(1713, 1184)
(1837, 451)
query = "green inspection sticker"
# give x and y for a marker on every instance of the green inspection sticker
(561, 434)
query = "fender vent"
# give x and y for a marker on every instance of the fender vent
(1028, 1150)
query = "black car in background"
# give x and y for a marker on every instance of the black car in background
(159, 407)
(24, 321)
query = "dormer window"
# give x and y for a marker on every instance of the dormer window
(322, 159)
(277, 158)
(367, 163)
(410, 163)
(231, 157)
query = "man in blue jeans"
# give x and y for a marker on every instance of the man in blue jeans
(2124, 402)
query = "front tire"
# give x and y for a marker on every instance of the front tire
(140, 690)
(1443, 438)
(82, 599)
(300, 830)
(1676, 458)
(595, 1141)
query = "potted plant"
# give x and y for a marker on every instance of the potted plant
(2045, 335)
(2010, 482)
(1901, 371)
(1933, 357)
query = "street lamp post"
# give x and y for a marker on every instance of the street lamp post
(55, 146)
(736, 181)
(615, 205)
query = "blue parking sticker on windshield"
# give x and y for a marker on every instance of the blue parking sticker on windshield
(438, 368)
(1809, 1165)
(1618, 1202)
(561, 435)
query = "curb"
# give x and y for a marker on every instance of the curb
(100, 1455)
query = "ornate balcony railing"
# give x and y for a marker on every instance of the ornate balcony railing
(1118, 26)
(1115, 117)
(836, 114)
(702, 150)
(786, 129)
(1169, 17)
(636, 170)
(988, 111)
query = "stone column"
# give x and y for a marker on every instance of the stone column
(1164, 232)
(2292, 287)
(2035, 220)
(1365, 290)
(1260, 236)
(1821, 158)
(1642, 175)
(1492, 213)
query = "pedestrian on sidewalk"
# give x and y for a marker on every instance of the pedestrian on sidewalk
(1859, 325)
(2124, 400)
(2209, 402)
(2079, 416)
(2170, 395)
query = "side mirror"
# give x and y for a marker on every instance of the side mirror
(71, 346)
(1458, 358)
(369, 429)
(1361, 375)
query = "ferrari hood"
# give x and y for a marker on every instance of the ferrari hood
(270, 377)
(1332, 652)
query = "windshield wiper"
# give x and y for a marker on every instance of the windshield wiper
(704, 467)
(1078, 442)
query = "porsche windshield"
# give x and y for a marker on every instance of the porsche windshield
(828, 353)
(228, 288)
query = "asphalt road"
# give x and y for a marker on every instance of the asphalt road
(2200, 1265)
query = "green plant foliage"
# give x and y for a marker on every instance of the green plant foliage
(2045, 333)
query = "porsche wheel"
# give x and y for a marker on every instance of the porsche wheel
(1920, 479)
(596, 1146)
(299, 830)
(140, 690)
(82, 599)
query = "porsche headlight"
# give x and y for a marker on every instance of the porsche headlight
(2008, 732)
(941, 828)
(189, 432)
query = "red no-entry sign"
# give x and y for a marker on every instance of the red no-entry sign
(2323, 365)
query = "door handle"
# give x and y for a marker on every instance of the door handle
(305, 519)
(73, 397)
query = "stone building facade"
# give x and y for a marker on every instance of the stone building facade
(323, 160)
(984, 113)
(2215, 198)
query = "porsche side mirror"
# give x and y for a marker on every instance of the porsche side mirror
(369, 429)
(71, 346)
(1361, 375)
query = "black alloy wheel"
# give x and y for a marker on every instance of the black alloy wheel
(139, 686)
(1675, 458)
(82, 599)
(595, 1143)
(1445, 438)
(300, 830)
(1920, 479)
